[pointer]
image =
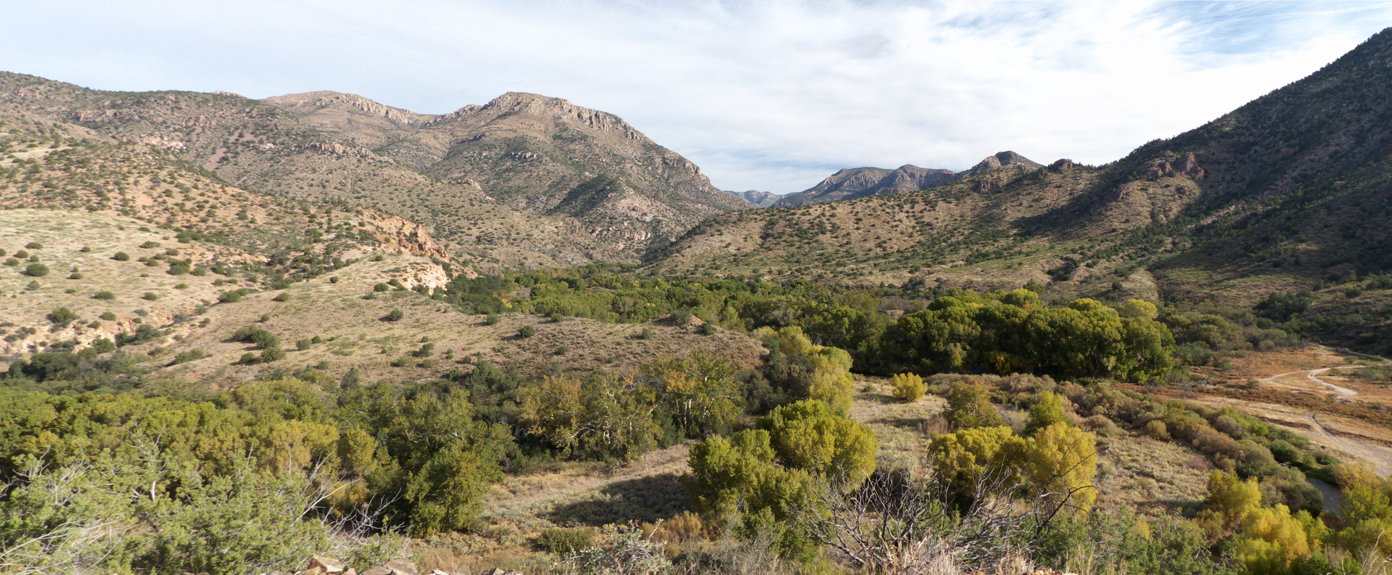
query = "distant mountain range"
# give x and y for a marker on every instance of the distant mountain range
(860, 182)
(757, 198)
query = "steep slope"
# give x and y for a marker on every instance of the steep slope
(860, 182)
(443, 171)
(897, 238)
(546, 155)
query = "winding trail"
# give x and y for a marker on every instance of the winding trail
(1378, 455)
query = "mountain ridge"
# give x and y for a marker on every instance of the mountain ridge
(851, 183)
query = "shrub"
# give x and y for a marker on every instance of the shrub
(281, 297)
(121, 257)
(21, 254)
(565, 541)
(271, 354)
(61, 316)
(526, 331)
(708, 328)
(302, 344)
(36, 270)
(492, 319)
(1156, 429)
(150, 244)
(562, 350)
(104, 295)
(333, 280)
(108, 316)
(230, 296)
(150, 296)
(11, 262)
(381, 287)
(75, 276)
(34, 245)
(180, 286)
(188, 356)
(681, 316)
(969, 405)
(252, 334)
(908, 386)
(394, 315)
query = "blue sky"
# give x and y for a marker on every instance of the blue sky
(769, 95)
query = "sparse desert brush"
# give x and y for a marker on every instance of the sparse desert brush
(908, 386)
(565, 541)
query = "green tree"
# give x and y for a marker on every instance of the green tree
(604, 416)
(702, 391)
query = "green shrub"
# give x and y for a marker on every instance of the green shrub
(394, 315)
(150, 244)
(61, 316)
(104, 295)
(492, 319)
(281, 297)
(565, 541)
(21, 254)
(180, 286)
(526, 331)
(108, 316)
(302, 344)
(333, 279)
(121, 257)
(36, 270)
(230, 296)
(381, 287)
(255, 335)
(34, 245)
(188, 356)
(150, 296)
(271, 354)
(11, 262)
(75, 276)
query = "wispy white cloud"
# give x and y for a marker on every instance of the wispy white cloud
(764, 95)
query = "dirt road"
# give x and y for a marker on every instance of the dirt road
(1378, 455)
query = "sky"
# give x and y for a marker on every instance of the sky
(773, 95)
